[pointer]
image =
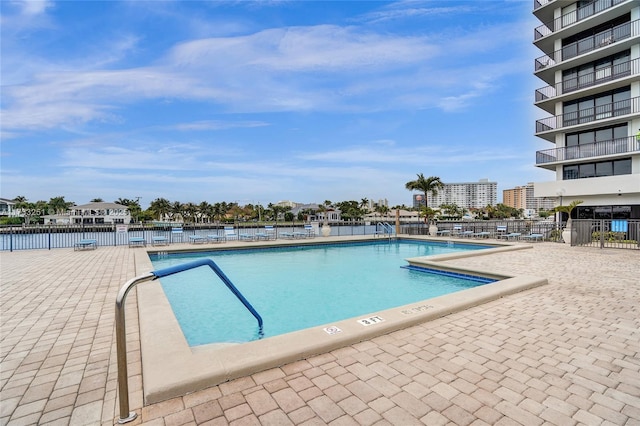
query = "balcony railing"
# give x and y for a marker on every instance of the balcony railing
(572, 17)
(595, 149)
(598, 76)
(587, 115)
(539, 3)
(588, 44)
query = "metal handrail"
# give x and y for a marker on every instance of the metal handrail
(539, 3)
(589, 150)
(589, 44)
(588, 115)
(574, 16)
(386, 229)
(121, 336)
(598, 76)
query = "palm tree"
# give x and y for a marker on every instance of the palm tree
(161, 207)
(425, 185)
(364, 204)
(203, 210)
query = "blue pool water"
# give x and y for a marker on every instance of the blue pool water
(298, 287)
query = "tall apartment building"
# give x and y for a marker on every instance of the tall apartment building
(591, 65)
(467, 195)
(522, 197)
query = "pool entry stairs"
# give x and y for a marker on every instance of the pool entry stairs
(121, 343)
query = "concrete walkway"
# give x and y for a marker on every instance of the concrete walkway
(562, 354)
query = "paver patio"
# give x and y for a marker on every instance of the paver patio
(562, 354)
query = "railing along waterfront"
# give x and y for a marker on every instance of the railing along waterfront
(588, 115)
(28, 237)
(588, 44)
(595, 149)
(583, 81)
(572, 17)
(606, 233)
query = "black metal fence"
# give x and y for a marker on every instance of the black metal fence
(550, 231)
(31, 237)
(606, 233)
(594, 233)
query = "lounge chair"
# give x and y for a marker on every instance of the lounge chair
(287, 234)
(197, 239)
(269, 233)
(308, 229)
(215, 238)
(533, 237)
(457, 229)
(86, 244)
(159, 241)
(230, 233)
(246, 236)
(500, 231)
(512, 235)
(176, 234)
(483, 234)
(137, 242)
(466, 234)
(299, 234)
(443, 232)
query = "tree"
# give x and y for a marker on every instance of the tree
(59, 206)
(161, 207)
(97, 200)
(132, 205)
(452, 210)
(425, 185)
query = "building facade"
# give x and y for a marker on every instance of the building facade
(590, 64)
(8, 208)
(92, 214)
(467, 195)
(522, 197)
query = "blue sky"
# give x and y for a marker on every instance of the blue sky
(257, 102)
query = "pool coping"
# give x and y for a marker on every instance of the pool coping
(171, 368)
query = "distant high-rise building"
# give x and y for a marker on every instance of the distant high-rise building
(466, 195)
(591, 68)
(522, 197)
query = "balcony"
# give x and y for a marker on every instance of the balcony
(596, 149)
(572, 17)
(589, 115)
(539, 3)
(589, 44)
(584, 81)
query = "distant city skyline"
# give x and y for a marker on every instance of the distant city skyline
(264, 101)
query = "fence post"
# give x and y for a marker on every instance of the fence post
(49, 234)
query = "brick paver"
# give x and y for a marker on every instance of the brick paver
(561, 354)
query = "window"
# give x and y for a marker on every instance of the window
(621, 212)
(599, 169)
(587, 170)
(622, 167)
(598, 107)
(584, 213)
(602, 212)
(570, 172)
(604, 169)
(608, 140)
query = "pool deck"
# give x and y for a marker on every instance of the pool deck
(564, 353)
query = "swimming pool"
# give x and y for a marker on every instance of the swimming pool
(298, 287)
